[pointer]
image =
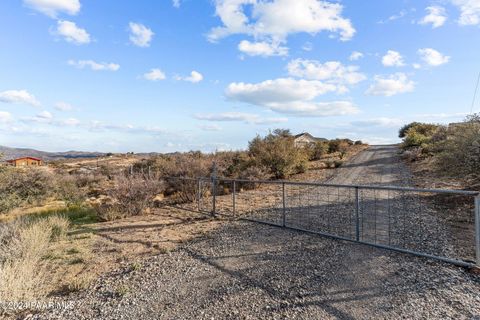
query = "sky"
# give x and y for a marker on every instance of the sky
(164, 76)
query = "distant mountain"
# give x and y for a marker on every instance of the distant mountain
(12, 153)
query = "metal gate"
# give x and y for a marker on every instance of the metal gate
(434, 223)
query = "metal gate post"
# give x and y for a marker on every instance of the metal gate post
(284, 205)
(357, 215)
(477, 229)
(199, 194)
(233, 195)
(214, 187)
(214, 190)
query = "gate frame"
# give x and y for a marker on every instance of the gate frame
(214, 180)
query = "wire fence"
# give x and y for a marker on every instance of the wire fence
(439, 224)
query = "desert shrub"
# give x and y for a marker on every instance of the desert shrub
(18, 187)
(68, 189)
(358, 143)
(415, 140)
(404, 129)
(23, 244)
(338, 145)
(278, 153)
(343, 148)
(412, 154)
(419, 135)
(130, 196)
(460, 153)
(318, 150)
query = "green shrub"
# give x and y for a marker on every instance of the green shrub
(278, 153)
(420, 135)
(403, 130)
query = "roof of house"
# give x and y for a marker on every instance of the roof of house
(310, 136)
(32, 158)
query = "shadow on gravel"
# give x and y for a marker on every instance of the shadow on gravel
(276, 294)
(296, 271)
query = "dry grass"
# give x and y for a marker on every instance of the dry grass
(23, 245)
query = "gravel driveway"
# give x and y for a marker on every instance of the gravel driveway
(249, 271)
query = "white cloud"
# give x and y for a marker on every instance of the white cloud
(262, 48)
(19, 96)
(307, 46)
(210, 127)
(194, 77)
(140, 35)
(72, 33)
(42, 117)
(333, 72)
(392, 59)
(239, 116)
(95, 66)
(282, 89)
(274, 21)
(155, 75)
(5, 117)
(290, 96)
(469, 11)
(45, 115)
(436, 16)
(394, 17)
(441, 115)
(51, 8)
(379, 122)
(176, 3)
(432, 57)
(356, 55)
(71, 122)
(63, 106)
(391, 85)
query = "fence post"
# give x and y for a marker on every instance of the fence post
(284, 205)
(233, 195)
(357, 214)
(477, 229)
(214, 188)
(199, 194)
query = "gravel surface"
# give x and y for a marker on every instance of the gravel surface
(249, 271)
(252, 271)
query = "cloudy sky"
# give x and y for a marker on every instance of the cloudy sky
(210, 74)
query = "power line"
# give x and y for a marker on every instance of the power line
(475, 94)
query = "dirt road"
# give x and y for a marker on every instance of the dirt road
(252, 271)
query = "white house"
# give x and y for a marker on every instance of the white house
(304, 139)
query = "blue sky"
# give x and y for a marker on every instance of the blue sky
(209, 75)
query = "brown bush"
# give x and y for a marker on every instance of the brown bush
(460, 155)
(318, 150)
(129, 196)
(20, 187)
